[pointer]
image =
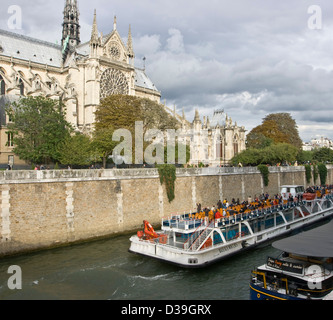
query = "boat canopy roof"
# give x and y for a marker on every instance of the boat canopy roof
(317, 242)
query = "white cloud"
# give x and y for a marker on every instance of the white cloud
(175, 43)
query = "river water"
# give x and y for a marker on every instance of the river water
(105, 270)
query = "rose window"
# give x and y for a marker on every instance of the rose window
(113, 82)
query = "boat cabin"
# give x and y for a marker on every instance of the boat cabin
(293, 190)
(304, 270)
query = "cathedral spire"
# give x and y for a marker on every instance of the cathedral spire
(94, 40)
(130, 51)
(71, 26)
(197, 116)
(94, 32)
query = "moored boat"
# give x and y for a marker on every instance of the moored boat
(303, 271)
(197, 240)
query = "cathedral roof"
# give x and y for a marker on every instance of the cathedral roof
(219, 119)
(43, 52)
(27, 48)
(142, 80)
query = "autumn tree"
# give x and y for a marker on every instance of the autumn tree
(286, 125)
(265, 135)
(275, 128)
(122, 112)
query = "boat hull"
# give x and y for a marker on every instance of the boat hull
(184, 258)
(259, 293)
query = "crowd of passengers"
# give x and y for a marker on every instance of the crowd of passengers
(226, 209)
(320, 190)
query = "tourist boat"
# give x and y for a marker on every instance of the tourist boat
(303, 271)
(188, 241)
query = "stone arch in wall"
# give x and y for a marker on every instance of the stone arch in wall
(2, 86)
(236, 144)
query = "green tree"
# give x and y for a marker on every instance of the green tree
(249, 157)
(271, 155)
(280, 153)
(103, 143)
(39, 127)
(305, 156)
(76, 150)
(323, 155)
(154, 116)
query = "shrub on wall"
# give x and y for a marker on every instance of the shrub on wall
(315, 173)
(265, 173)
(308, 173)
(167, 175)
(322, 173)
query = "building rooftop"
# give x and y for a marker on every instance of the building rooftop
(43, 52)
(30, 49)
(219, 119)
(142, 80)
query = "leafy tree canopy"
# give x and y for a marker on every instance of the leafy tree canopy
(323, 155)
(76, 150)
(122, 112)
(271, 155)
(39, 127)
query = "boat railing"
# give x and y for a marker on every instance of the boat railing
(262, 211)
(193, 236)
(182, 222)
(187, 223)
(202, 237)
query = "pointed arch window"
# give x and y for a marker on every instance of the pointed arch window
(21, 86)
(2, 86)
(236, 145)
(219, 147)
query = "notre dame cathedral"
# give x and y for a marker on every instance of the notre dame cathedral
(81, 74)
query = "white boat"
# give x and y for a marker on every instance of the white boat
(190, 242)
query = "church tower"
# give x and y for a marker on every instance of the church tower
(71, 26)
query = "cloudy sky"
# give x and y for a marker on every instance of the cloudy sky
(249, 57)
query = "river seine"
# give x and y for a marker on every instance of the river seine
(105, 270)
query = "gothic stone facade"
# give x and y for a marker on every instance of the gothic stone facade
(216, 141)
(80, 74)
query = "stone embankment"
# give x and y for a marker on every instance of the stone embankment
(42, 209)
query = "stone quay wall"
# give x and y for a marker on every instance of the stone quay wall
(44, 209)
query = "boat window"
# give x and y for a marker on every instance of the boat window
(192, 261)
